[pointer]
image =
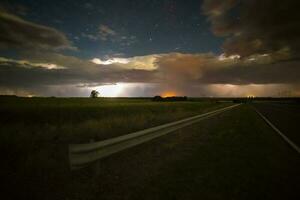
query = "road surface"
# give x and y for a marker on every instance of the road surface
(286, 117)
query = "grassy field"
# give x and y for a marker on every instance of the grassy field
(234, 155)
(82, 119)
(35, 132)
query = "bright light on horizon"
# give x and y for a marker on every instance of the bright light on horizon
(111, 90)
(169, 94)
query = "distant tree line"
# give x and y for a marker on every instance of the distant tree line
(159, 98)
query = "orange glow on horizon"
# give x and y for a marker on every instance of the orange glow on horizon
(169, 94)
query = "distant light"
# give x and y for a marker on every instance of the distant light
(111, 90)
(169, 94)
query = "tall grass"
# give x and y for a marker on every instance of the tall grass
(34, 132)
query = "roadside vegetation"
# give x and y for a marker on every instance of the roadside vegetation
(234, 155)
(35, 133)
(81, 119)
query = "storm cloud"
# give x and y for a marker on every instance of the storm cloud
(260, 50)
(255, 26)
(174, 71)
(18, 33)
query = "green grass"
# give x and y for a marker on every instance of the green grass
(35, 132)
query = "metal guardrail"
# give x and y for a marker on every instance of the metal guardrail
(81, 155)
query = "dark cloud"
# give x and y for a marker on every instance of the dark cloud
(255, 26)
(261, 53)
(195, 69)
(182, 73)
(213, 90)
(244, 74)
(63, 71)
(105, 32)
(217, 12)
(18, 33)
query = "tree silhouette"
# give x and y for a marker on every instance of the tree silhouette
(94, 94)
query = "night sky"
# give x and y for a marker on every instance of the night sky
(150, 47)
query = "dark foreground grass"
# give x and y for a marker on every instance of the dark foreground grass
(234, 155)
(34, 135)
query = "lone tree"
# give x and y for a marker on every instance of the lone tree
(94, 94)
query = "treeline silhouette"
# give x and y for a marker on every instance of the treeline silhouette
(175, 98)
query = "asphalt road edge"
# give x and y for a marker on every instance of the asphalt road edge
(285, 138)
